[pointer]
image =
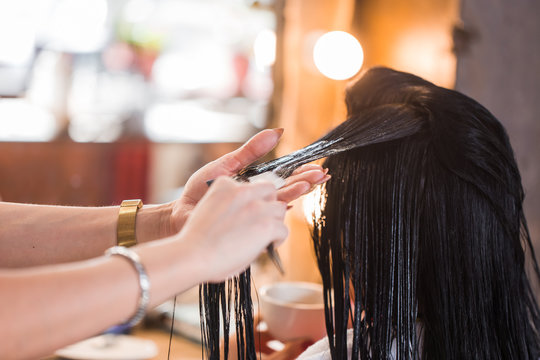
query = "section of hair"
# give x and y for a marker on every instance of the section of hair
(421, 226)
(389, 121)
(370, 261)
(428, 226)
(216, 305)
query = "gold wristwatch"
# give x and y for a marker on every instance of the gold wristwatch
(125, 232)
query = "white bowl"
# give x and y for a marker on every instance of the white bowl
(293, 310)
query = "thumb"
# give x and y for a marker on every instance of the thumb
(255, 148)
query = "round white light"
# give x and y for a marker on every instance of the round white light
(338, 55)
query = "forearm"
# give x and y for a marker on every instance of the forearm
(45, 308)
(33, 235)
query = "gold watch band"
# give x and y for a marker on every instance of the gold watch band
(125, 231)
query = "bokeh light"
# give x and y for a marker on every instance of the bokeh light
(20, 120)
(338, 55)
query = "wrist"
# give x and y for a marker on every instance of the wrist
(194, 259)
(153, 222)
(173, 264)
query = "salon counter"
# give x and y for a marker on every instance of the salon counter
(181, 348)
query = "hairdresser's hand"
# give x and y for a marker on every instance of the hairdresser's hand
(299, 183)
(231, 225)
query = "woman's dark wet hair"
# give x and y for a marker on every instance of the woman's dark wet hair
(421, 240)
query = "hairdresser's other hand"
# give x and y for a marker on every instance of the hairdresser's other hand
(231, 225)
(301, 181)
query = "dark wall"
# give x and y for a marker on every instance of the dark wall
(499, 65)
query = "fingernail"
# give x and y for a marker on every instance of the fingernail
(279, 131)
(326, 171)
(324, 179)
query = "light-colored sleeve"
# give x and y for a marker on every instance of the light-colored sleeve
(318, 351)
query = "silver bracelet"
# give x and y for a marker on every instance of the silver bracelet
(144, 281)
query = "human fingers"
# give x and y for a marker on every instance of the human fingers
(314, 176)
(302, 181)
(259, 145)
(300, 187)
(264, 190)
(293, 191)
(307, 167)
(256, 147)
(280, 232)
(234, 216)
(274, 209)
(236, 195)
(257, 203)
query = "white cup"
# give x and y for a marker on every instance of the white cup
(293, 310)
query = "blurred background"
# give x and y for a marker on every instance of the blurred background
(105, 100)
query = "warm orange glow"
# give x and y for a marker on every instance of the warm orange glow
(426, 52)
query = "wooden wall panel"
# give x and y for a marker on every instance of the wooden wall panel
(68, 173)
